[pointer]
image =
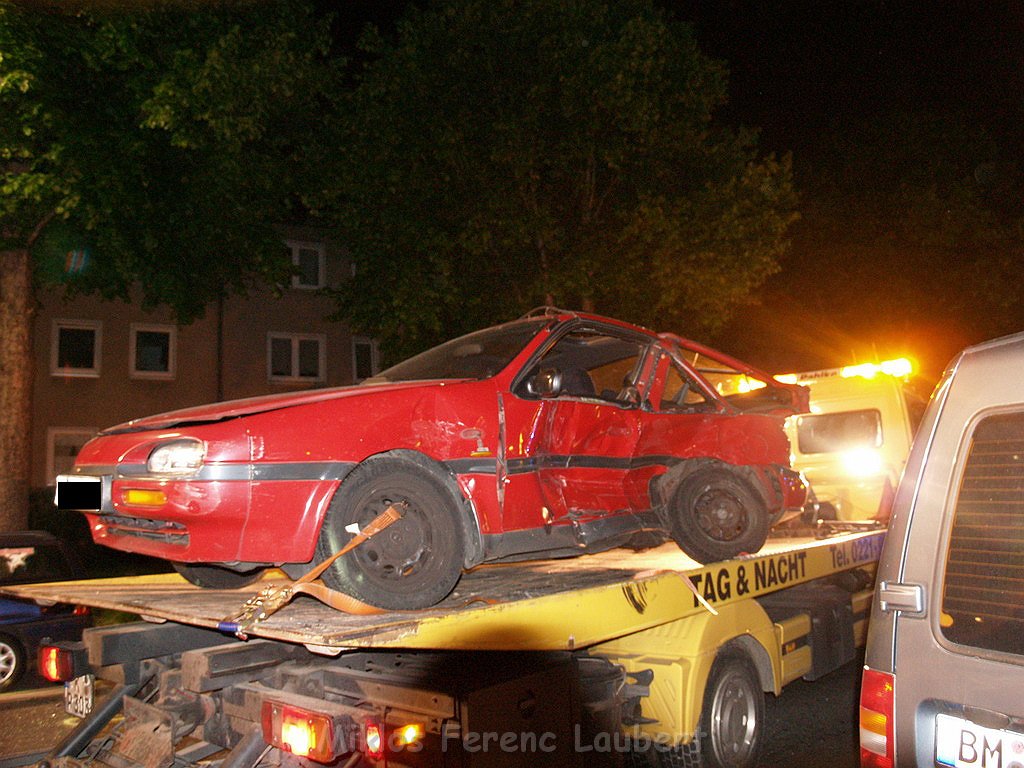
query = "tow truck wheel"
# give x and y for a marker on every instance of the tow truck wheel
(732, 717)
(216, 577)
(12, 662)
(414, 562)
(716, 516)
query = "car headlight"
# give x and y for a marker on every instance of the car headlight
(178, 457)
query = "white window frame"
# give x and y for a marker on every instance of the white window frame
(295, 338)
(172, 353)
(295, 246)
(52, 433)
(374, 356)
(80, 325)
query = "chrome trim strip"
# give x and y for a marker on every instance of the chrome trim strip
(305, 470)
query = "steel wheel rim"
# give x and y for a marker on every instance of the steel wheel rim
(734, 719)
(402, 551)
(720, 515)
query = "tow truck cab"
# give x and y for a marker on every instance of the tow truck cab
(853, 444)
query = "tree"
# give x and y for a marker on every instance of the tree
(498, 155)
(164, 143)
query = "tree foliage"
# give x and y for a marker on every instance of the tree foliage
(497, 155)
(164, 143)
(168, 141)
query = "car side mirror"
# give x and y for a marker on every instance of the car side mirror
(546, 383)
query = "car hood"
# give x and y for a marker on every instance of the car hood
(233, 409)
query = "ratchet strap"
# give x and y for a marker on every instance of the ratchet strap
(272, 598)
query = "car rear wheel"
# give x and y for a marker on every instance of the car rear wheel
(414, 562)
(12, 661)
(217, 577)
(715, 516)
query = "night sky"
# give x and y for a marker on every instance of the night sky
(801, 70)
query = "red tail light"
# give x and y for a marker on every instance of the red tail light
(300, 731)
(56, 664)
(81, 610)
(877, 697)
(374, 736)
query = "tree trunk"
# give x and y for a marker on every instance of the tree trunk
(16, 369)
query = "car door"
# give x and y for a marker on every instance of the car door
(678, 422)
(578, 431)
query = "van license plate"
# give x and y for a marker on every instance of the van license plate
(963, 744)
(79, 696)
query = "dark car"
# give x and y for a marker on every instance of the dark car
(28, 557)
(553, 435)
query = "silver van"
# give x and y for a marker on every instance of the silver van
(943, 681)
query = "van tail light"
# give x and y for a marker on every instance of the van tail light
(81, 610)
(62, 661)
(877, 696)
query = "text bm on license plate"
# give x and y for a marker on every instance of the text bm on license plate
(963, 744)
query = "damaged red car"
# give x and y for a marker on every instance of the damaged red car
(557, 434)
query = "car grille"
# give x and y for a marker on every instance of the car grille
(144, 528)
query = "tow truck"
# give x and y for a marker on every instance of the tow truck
(853, 444)
(618, 658)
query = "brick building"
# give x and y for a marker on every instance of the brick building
(100, 363)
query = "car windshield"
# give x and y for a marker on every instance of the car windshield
(478, 355)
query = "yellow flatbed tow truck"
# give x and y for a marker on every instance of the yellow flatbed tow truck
(615, 658)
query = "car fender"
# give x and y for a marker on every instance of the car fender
(471, 534)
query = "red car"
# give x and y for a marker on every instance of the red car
(557, 434)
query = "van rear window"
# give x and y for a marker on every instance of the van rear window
(842, 431)
(983, 590)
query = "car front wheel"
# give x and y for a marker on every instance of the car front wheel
(414, 562)
(12, 662)
(715, 515)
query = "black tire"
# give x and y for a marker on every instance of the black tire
(416, 561)
(217, 577)
(12, 662)
(732, 715)
(715, 515)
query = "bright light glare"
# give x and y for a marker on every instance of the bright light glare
(899, 368)
(862, 462)
(409, 734)
(298, 736)
(749, 385)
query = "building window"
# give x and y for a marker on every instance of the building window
(365, 362)
(296, 357)
(309, 260)
(62, 446)
(153, 351)
(75, 348)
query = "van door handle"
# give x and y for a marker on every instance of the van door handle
(909, 598)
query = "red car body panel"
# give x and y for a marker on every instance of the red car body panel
(525, 463)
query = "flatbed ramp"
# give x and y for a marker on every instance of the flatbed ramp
(563, 604)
